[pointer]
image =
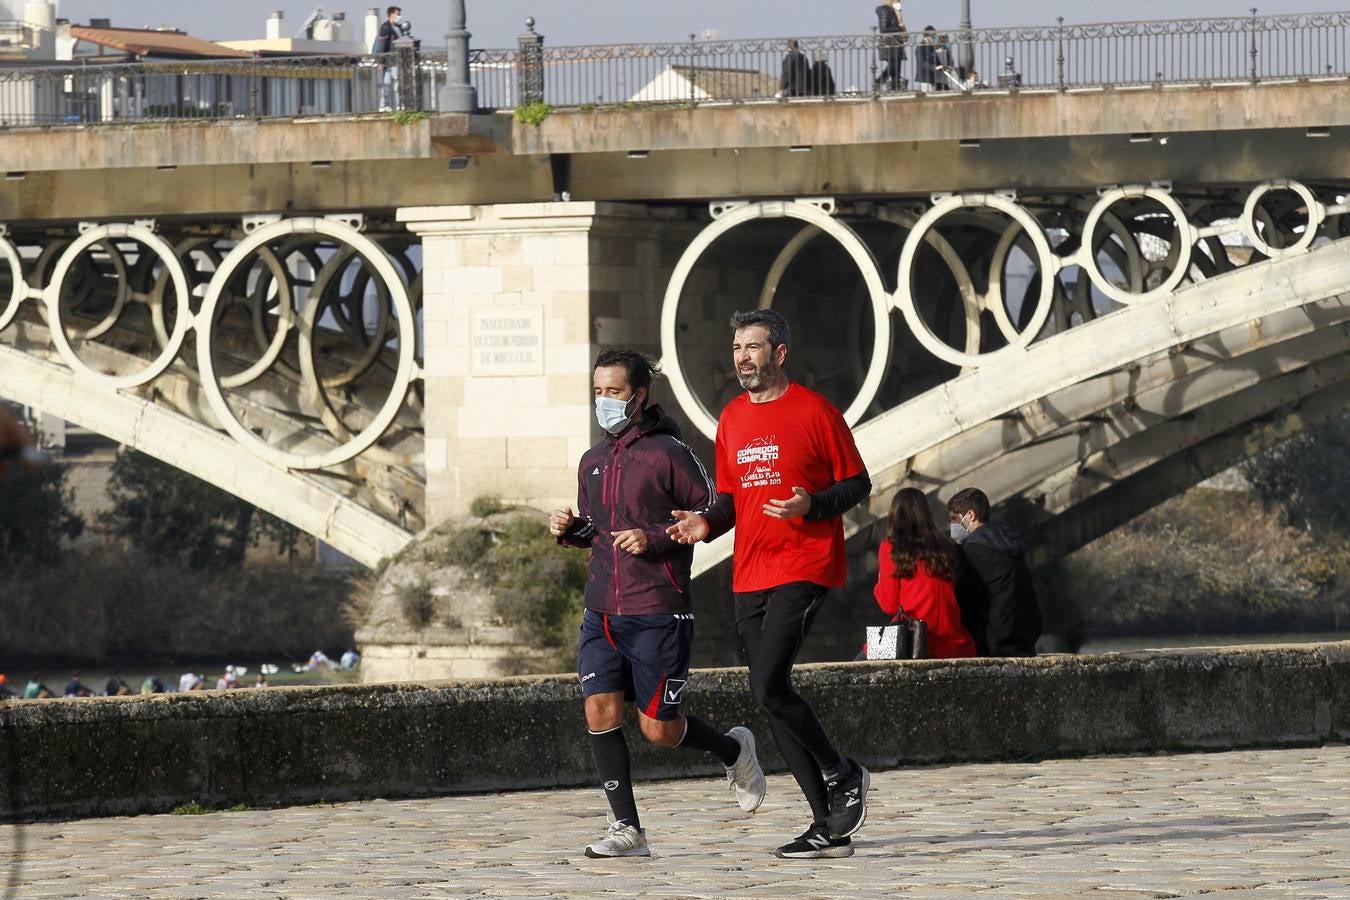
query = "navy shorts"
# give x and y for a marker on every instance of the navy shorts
(646, 657)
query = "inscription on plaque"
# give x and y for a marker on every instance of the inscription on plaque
(507, 341)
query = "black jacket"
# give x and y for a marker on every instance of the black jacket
(996, 593)
(796, 74)
(384, 39)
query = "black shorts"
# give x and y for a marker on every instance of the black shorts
(645, 657)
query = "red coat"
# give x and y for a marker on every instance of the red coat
(928, 598)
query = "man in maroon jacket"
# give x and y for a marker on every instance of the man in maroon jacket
(638, 627)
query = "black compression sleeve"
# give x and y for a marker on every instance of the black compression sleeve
(840, 497)
(721, 516)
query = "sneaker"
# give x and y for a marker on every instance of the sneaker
(816, 843)
(848, 800)
(622, 839)
(746, 777)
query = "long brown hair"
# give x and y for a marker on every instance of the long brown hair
(914, 537)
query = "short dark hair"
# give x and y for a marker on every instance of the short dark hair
(641, 370)
(969, 500)
(779, 333)
(391, 10)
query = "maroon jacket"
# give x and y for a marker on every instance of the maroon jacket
(634, 481)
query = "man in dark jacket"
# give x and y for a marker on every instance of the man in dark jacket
(638, 626)
(796, 77)
(995, 588)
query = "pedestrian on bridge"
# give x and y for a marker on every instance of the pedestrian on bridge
(637, 630)
(891, 45)
(787, 469)
(796, 77)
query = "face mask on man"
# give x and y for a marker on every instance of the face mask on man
(613, 415)
(959, 530)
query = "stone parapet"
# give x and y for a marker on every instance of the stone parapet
(112, 756)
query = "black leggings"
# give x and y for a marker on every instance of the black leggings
(772, 625)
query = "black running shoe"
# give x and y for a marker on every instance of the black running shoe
(815, 843)
(848, 800)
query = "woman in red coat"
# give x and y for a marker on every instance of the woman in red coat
(918, 574)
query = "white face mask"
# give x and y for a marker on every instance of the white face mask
(613, 414)
(959, 530)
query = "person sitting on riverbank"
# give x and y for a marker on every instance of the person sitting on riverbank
(36, 690)
(917, 577)
(996, 590)
(153, 684)
(116, 687)
(77, 688)
(5, 692)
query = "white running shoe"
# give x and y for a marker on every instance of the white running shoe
(622, 839)
(746, 777)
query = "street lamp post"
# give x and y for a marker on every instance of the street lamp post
(967, 48)
(458, 95)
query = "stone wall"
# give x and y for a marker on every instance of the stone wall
(109, 756)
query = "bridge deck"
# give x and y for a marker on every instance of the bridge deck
(1265, 823)
(896, 145)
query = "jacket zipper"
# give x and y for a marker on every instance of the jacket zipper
(670, 574)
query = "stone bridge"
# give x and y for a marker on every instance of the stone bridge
(1083, 299)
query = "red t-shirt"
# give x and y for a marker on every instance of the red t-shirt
(924, 597)
(764, 450)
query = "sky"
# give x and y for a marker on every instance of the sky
(495, 23)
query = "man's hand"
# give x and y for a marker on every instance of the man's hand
(560, 521)
(689, 527)
(796, 506)
(634, 540)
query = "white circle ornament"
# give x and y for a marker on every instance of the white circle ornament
(405, 373)
(1316, 214)
(182, 318)
(1186, 237)
(1048, 262)
(811, 214)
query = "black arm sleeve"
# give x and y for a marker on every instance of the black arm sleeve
(840, 497)
(721, 516)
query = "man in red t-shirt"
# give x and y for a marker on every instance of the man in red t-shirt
(787, 469)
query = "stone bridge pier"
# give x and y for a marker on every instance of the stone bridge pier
(518, 299)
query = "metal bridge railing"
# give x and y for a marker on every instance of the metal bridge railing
(1203, 51)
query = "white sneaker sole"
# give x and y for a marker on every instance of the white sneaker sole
(620, 854)
(755, 798)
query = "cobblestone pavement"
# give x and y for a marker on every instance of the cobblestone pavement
(1252, 824)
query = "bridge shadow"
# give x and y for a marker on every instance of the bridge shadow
(1068, 836)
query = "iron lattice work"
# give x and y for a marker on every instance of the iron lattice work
(1059, 57)
(298, 338)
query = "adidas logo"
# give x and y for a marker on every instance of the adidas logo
(597, 471)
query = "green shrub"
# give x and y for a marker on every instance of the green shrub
(417, 603)
(486, 505)
(533, 113)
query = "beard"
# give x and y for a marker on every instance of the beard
(759, 379)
